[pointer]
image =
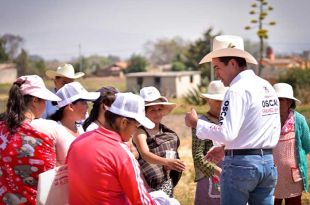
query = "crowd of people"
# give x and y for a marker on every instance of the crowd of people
(250, 146)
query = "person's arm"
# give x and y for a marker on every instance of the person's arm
(305, 134)
(198, 147)
(63, 142)
(133, 149)
(140, 140)
(132, 183)
(232, 115)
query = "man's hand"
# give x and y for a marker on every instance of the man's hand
(191, 118)
(215, 154)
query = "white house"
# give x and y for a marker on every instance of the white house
(170, 84)
(8, 73)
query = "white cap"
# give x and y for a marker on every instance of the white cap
(74, 91)
(33, 85)
(132, 106)
(152, 96)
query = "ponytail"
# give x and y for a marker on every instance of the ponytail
(106, 99)
(16, 107)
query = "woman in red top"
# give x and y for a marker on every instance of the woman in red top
(25, 152)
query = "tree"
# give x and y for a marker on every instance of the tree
(12, 44)
(4, 57)
(197, 51)
(136, 63)
(261, 11)
(93, 62)
(113, 58)
(178, 66)
(22, 63)
(38, 67)
(82, 64)
(163, 51)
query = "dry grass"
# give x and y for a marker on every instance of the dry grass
(185, 190)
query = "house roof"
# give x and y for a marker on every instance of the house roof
(162, 74)
(121, 64)
(281, 62)
(5, 66)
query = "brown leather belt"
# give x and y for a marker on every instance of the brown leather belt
(232, 152)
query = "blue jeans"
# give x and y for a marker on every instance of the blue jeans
(248, 178)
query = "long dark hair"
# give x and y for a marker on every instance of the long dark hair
(111, 117)
(58, 115)
(16, 107)
(107, 97)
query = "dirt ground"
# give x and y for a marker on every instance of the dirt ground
(185, 190)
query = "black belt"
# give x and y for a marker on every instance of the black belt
(231, 152)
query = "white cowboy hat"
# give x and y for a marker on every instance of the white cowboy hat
(65, 70)
(227, 45)
(285, 90)
(216, 91)
(151, 96)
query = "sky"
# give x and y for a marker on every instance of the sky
(65, 29)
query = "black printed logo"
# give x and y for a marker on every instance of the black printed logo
(223, 112)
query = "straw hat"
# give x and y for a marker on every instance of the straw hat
(65, 70)
(285, 90)
(151, 96)
(216, 91)
(227, 45)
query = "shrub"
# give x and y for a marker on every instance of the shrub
(299, 79)
(193, 97)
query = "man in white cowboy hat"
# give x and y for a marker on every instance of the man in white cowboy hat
(63, 75)
(249, 126)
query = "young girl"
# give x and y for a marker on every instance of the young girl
(160, 172)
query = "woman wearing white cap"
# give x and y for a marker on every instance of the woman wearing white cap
(96, 117)
(207, 189)
(73, 107)
(161, 172)
(290, 154)
(25, 152)
(101, 168)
